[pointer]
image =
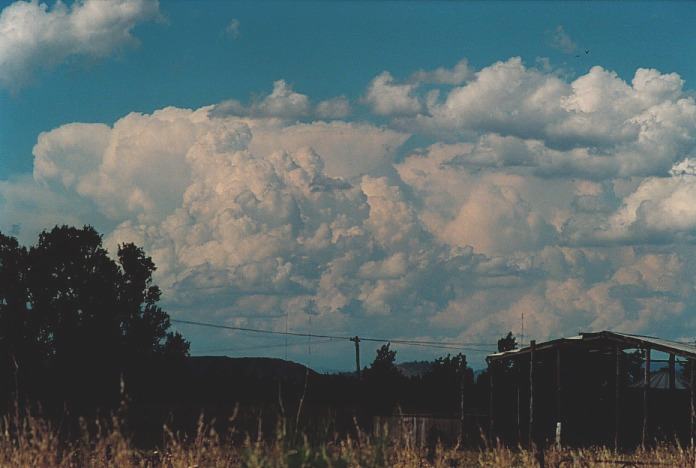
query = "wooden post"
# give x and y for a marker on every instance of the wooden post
(672, 372)
(491, 407)
(692, 368)
(532, 345)
(617, 397)
(356, 340)
(462, 373)
(559, 401)
(646, 387)
(518, 381)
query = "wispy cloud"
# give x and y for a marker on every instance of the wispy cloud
(232, 28)
(562, 41)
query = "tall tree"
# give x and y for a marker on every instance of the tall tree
(444, 381)
(383, 367)
(86, 316)
(384, 381)
(507, 343)
(19, 339)
(144, 324)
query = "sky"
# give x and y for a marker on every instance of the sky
(407, 170)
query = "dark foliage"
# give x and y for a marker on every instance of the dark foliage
(74, 322)
(507, 343)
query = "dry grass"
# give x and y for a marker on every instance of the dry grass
(32, 442)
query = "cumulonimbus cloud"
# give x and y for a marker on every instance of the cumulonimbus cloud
(255, 211)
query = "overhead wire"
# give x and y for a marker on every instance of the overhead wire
(286, 333)
(260, 347)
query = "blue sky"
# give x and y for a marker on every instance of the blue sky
(427, 170)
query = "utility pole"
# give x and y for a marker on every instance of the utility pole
(356, 340)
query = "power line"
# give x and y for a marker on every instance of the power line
(256, 330)
(334, 340)
(261, 347)
(430, 344)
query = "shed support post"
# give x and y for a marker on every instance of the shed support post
(462, 373)
(672, 372)
(646, 387)
(617, 397)
(532, 345)
(692, 411)
(491, 407)
(559, 401)
(519, 400)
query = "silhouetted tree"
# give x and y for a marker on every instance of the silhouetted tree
(66, 303)
(383, 379)
(144, 324)
(384, 364)
(507, 343)
(19, 337)
(443, 382)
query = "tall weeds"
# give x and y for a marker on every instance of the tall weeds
(28, 441)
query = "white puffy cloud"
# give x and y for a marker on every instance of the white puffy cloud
(34, 36)
(66, 154)
(255, 225)
(138, 169)
(283, 102)
(349, 149)
(596, 126)
(660, 210)
(446, 76)
(629, 291)
(386, 97)
(494, 212)
(235, 209)
(496, 220)
(505, 98)
(334, 108)
(286, 104)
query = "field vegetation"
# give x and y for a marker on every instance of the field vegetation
(29, 441)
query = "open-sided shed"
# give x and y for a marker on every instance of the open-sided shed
(599, 387)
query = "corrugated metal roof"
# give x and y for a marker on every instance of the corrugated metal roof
(685, 348)
(627, 340)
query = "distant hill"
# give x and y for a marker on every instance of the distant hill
(414, 368)
(249, 368)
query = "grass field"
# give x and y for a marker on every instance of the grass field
(31, 442)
